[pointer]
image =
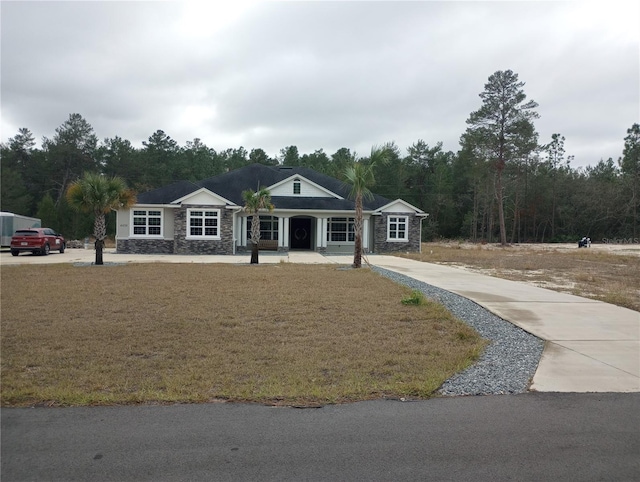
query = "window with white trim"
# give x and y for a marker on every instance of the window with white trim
(203, 223)
(147, 222)
(340, 230)
(397, 228)
(268, 228)
(296, 186)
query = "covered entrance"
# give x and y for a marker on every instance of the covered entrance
(300, 233)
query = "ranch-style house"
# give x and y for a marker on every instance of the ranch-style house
(312, 212)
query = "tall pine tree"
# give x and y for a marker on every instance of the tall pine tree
(503, 128)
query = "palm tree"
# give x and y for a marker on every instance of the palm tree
(361, 177)
(98, 194)
(254, 202)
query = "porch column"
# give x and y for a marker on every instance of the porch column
(318, 233)
(325, 230)
(285, 232)
(243, 230)
(234, 224)
(365, 234)
(280, 232)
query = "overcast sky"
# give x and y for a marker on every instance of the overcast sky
(318, 74)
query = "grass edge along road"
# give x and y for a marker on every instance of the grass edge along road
(280, 334)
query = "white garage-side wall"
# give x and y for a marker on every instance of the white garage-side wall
(123, 218)
(123, 222)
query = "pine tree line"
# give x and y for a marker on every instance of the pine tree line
(502, 185)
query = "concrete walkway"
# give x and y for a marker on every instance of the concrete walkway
(591, 346)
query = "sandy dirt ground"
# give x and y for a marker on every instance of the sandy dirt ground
(620, 249)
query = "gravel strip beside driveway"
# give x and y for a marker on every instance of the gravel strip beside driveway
(509, 361)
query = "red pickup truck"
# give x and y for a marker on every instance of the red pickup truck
(37, 240)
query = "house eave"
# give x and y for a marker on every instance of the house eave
(318, 211)
(418, 211)
(173, 206)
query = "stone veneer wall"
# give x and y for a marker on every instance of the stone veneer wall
(203, 246)
(247, 249)
(380, 235)
(144, 246)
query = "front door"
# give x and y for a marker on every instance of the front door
(300, 233)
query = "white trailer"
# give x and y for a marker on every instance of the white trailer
(10, 223)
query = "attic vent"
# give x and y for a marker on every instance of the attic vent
(285, 167)
(296, 186)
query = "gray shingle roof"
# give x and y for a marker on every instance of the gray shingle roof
(230, 185)
(167, 194)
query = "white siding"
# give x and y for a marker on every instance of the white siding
(203, 199)
(398, 207)
(123, 218)
(306, 190)
(168, 223)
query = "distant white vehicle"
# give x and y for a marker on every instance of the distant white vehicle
(584, 242)
(10, 223)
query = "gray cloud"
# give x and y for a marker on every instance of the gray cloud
(318, 74)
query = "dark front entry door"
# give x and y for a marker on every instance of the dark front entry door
(300, 233)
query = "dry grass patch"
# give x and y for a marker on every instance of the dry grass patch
(278, 334)
(613, 278)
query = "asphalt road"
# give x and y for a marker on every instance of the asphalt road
(533, 436)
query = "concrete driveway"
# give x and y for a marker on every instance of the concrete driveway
(590, 346)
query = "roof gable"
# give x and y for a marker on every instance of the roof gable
(399, 206)
(202, 196)
(230, 185)
(307, 188)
